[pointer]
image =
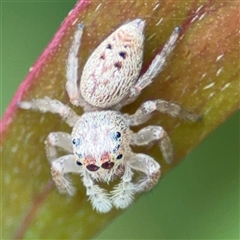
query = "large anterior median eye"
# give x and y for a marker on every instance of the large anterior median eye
(107, 165)
(92, 167)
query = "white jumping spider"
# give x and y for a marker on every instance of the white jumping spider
(99, 145)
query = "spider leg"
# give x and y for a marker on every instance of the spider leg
(63, 165)
(154, 69)
(60, 168)
(47, 104)
(122, 194)
(72, 68)
(151, 169)
(98, 196)
(145, 110)
(154, 133)
(57, 139)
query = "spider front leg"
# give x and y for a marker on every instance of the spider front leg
(148, 166)
(154, 133)
(145, 110)
(122, 195)
(47, 104)
(63, 165)
(98, 196)
(60, 168)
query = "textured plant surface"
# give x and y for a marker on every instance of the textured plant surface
(202, 75)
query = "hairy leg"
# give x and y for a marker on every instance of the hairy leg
(122, 195)
(145, 110)
(60, 168)
(154, 69)
(72, 68)
(57, 139)
(148, 166)
(62, 165)
(98, 196)
(66, 164)
(154, 134)
(47, 104)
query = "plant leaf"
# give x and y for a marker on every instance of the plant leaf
(201, 75)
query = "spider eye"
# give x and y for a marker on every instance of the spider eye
(116, 148)
(76, 141)
(119, 156)
(118, 134)
(92, 167)
(107, 165)
(79, 163)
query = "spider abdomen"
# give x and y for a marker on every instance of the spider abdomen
(114, 66)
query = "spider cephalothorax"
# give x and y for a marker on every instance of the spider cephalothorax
(99, 146)
(100, 141)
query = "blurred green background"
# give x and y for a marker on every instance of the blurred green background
(199, 199)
